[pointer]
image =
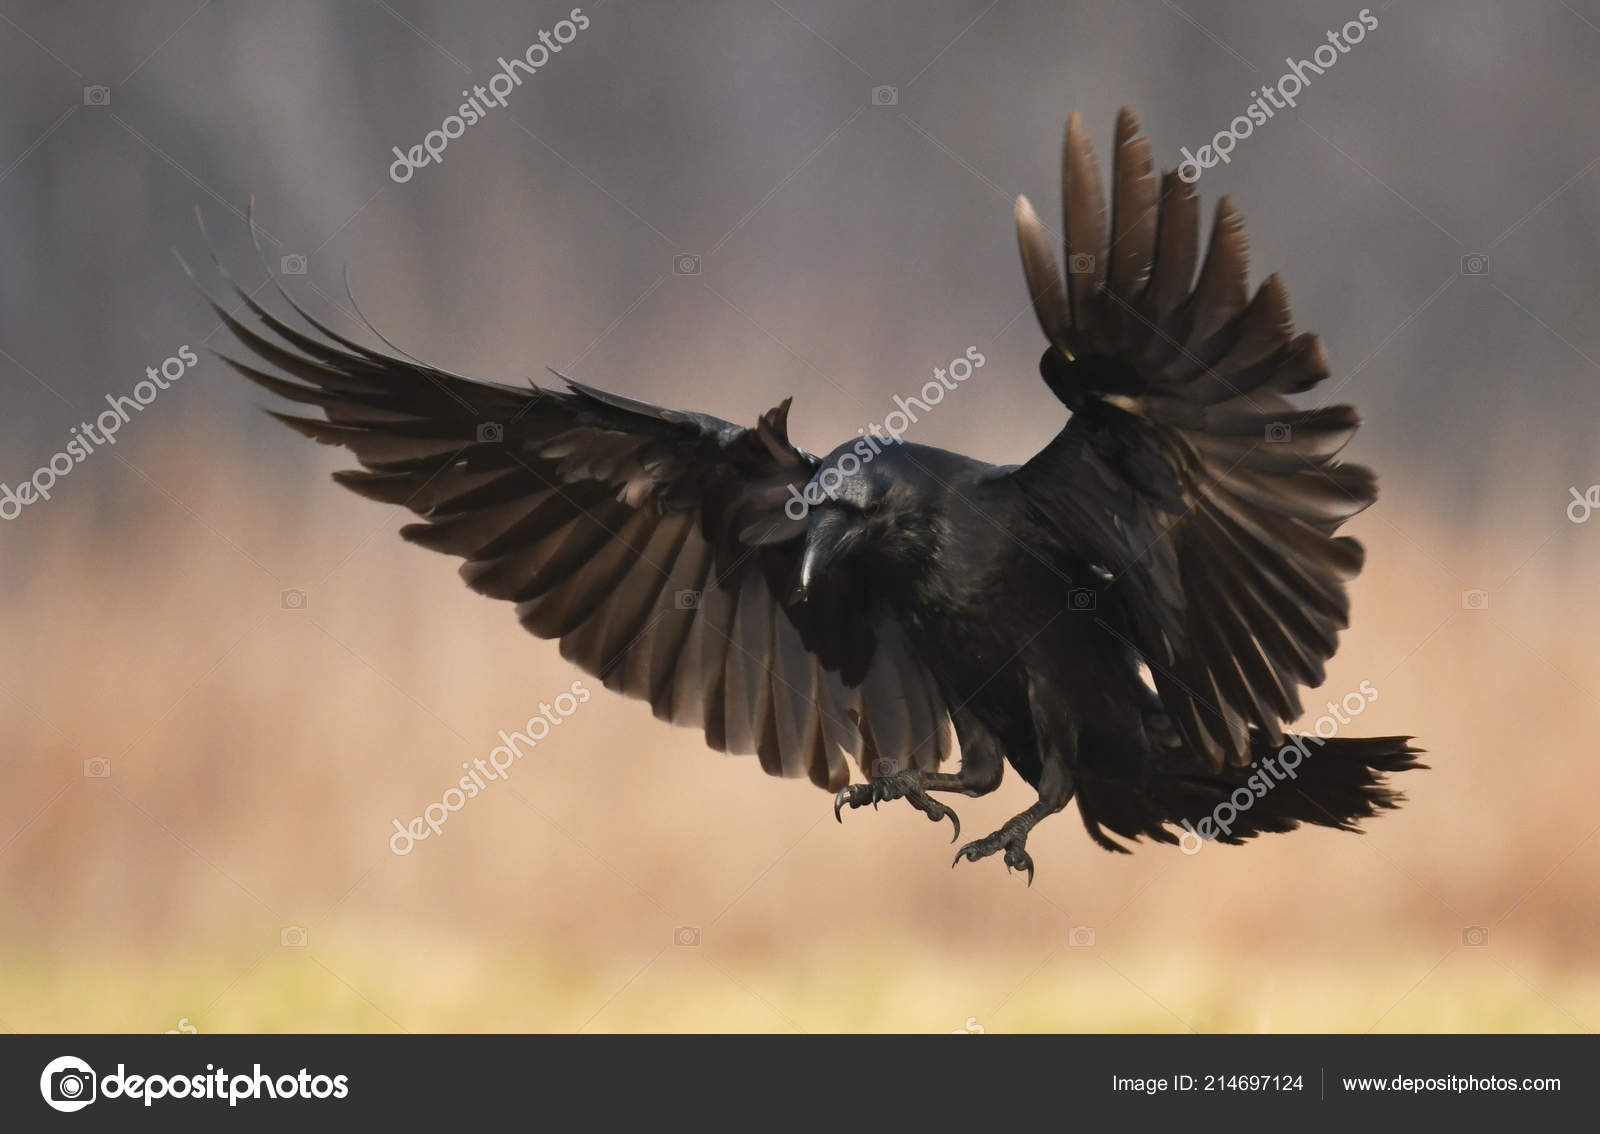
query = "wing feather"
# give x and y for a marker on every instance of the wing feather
(650, 542)
(1184, 470)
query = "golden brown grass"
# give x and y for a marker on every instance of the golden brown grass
(259, 754)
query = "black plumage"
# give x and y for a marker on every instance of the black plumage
(922, 603)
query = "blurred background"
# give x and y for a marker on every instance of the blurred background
(225, 677)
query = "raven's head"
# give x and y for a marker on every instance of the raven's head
(864, 506)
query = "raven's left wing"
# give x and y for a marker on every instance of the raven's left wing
(1184, 472)
(653, 543)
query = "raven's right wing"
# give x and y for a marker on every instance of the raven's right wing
(1185, 473)
(652, 543)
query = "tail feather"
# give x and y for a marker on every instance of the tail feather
(1328, 783)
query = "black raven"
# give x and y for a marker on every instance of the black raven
(1126, 619)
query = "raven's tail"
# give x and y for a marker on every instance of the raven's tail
(1306, 779)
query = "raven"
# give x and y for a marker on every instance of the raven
(1126, 619)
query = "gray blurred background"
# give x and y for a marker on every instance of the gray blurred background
(1432, 204)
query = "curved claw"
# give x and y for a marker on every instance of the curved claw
(874, 792)
(1016, 858)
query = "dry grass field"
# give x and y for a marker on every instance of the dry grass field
(625, 877)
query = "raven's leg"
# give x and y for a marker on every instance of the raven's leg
(1057, 738)
(1055, 792)
(982, 765)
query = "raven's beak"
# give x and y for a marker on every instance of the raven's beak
(824, 537)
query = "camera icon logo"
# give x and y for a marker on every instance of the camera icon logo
(686, 600)
(96, 95)
(294, 264)
(1082, 599)
(1279, 433)
(1080, 262)
(491, 432)
(1474, 264)
(294, 936)
(292, 599)
(97, 768)
(67, 1084)
(686, 936)
(1081, 937)
(1475, 935)
(686, 264)
(1475, 599)
(885, 96)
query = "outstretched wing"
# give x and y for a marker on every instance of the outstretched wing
(652, 543)
(1185, 472)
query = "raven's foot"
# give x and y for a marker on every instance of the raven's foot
(1012, 839)
(898, 785)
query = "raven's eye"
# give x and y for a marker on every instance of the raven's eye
(862, 506)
